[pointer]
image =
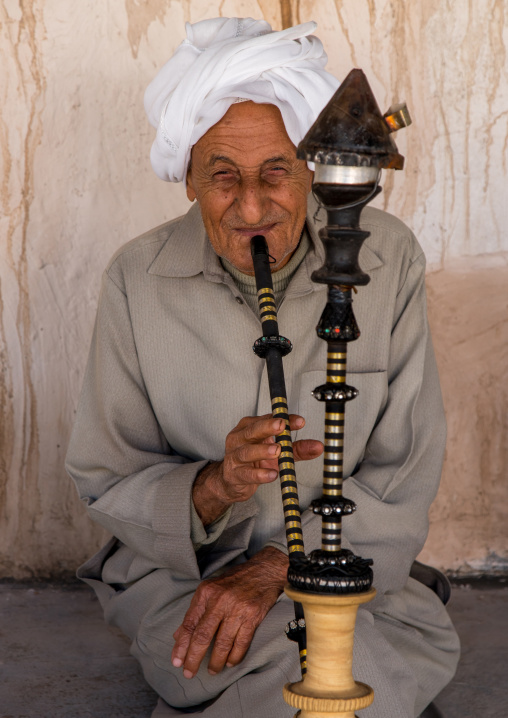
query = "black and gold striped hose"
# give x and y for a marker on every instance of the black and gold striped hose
(272, 347)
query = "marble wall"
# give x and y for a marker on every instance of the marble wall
(76, 183)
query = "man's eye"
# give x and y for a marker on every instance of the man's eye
(275, 172)
(223, 173)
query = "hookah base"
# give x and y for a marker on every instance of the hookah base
(328, 689)
(338, 572)
(329, 715)
(330, 709)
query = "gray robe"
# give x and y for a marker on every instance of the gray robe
(171, 371)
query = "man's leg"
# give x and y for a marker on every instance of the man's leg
(407, 651)
(144, 613)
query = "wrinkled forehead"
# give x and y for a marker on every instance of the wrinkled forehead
(247, 129)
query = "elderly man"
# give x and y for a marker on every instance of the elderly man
(173, 447)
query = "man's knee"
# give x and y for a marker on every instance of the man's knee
(271, 657)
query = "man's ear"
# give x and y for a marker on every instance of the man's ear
(191, 194)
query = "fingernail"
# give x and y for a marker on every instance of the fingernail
(177, 662)
(230, 665)
(300, 421)
(212, 673)
(274, 449)
(187, 673)
(272, 475)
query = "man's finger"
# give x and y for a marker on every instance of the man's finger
(241, 645)
(246, 420)
(250, 476)
(250, 453)
(306, 449)
(224, 641)
(260, 430)
(267, 426)
(296, 422)
(183, 634)
(200, 641)
(182, 638)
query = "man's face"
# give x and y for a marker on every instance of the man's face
(247, 180)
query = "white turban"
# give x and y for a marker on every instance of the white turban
(226, 60)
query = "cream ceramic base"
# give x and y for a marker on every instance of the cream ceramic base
(328, 689)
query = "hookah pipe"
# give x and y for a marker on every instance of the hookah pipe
(349, 143)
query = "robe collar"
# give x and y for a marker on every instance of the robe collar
(188, 252)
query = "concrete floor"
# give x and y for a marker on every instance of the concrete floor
(59, 660)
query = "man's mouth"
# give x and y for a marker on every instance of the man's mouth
(252, 232)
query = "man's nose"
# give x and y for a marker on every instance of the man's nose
(252, 201)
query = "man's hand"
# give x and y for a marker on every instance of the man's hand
(229, 608)
(250, 459)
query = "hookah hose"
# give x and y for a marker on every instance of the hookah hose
(272, 347)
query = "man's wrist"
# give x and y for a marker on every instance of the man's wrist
(209, 501)
(275, 564)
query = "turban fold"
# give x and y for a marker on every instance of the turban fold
(226, 60)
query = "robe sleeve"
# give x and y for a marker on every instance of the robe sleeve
(133, 483)
(399, 475)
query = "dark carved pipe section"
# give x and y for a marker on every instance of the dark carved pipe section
(350, 143)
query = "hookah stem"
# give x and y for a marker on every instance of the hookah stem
(337, 393)
(278, 396)
(334, 446)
